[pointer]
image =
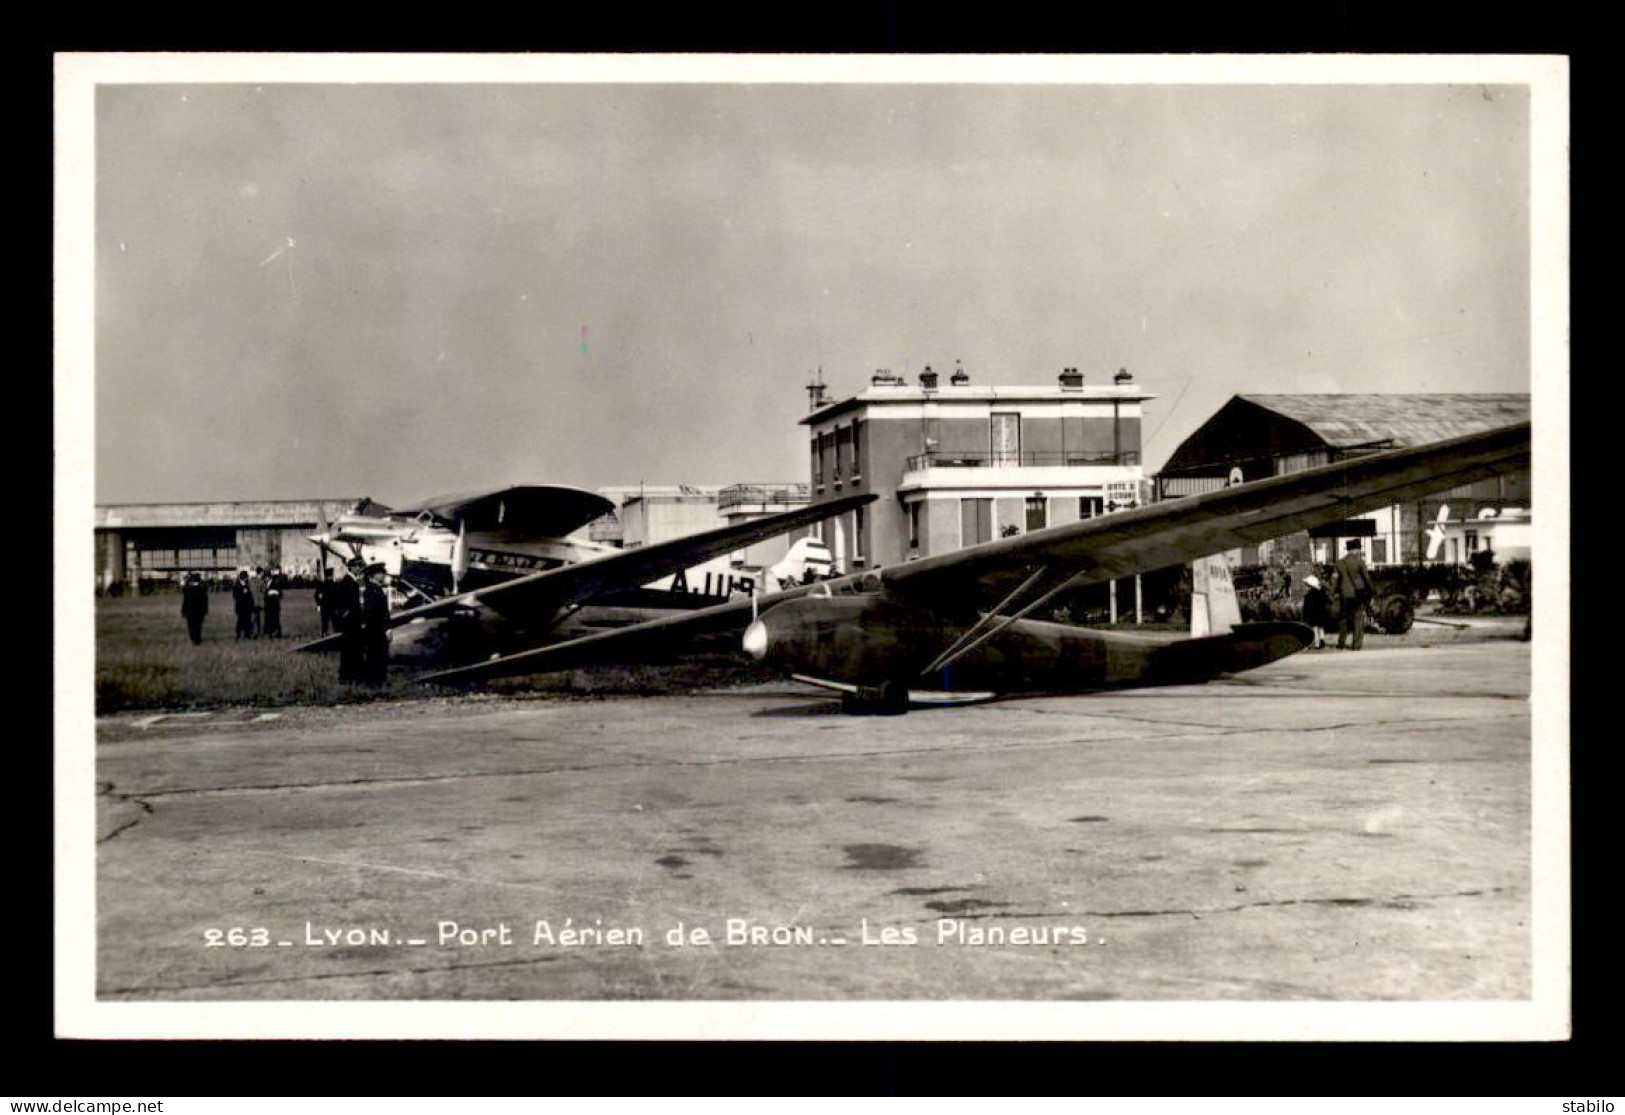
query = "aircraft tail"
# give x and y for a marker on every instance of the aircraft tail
(1214, 607)
(1246, 647)
(804, 554)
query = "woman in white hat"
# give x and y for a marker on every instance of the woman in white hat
(1316, 610)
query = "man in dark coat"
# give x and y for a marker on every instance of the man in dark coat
(375, 627)
(273, 604)
(324, 599)
(1353, 595)
(256, 589)
(242, 598)
(346, 605)
(194, 605)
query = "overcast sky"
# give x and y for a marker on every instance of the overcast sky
(401, 290)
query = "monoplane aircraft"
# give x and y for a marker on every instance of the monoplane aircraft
(498, 569)
(958, 626)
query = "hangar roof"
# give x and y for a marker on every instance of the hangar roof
(1250, 427)
(291, 513)
(1348, 420)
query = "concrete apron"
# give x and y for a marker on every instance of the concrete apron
(1333, 826)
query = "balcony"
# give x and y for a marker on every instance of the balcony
(945, 458)
(950, 470)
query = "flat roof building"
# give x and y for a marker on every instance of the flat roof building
(955, 464)
(647, 514)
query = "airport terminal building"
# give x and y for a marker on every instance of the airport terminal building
(1256, 436)
(955, 464)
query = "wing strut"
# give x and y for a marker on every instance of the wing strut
(990, 624)
(410, 587)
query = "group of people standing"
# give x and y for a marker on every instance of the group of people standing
(1352, 592)
(356, 606)
(257, 597)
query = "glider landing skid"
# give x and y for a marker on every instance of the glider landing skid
(878, 699)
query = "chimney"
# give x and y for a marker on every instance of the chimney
(815, 392)
(1122, 377)
(1071, 379)
(928, 379)
(960, 376)
(885, 377)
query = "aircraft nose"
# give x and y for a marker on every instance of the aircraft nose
(755, 640)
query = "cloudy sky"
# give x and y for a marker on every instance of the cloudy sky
(398, 290)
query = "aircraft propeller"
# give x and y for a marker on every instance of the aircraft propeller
(322, 534)
(459, 558)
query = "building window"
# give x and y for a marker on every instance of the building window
(1037, 513)
(859, 549)
(975, 521)
(1379, 551)
(818, 461)
(1088, 507)
(857, 448)
(1472, 542)
(914, 526)
(1005, 435)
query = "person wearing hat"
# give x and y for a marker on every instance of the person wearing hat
(256, 589)
(194, 606)
(374, 626)
(346, 605)
(324, 598)
(242, 599)
(273, 603)
(1353, 595)
(1317, 610)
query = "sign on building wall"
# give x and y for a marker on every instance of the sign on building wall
(1123, 494)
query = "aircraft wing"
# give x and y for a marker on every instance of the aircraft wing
(538, 597)
(550, 510)
(641, 642)
(1172, 532)
(1176, 531)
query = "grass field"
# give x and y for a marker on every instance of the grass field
(144, 660)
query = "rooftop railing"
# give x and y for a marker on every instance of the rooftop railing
(738, 495)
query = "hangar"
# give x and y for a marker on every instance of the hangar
(1256, 436)
(139, 544)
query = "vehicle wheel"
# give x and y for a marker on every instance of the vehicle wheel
(1396, 615)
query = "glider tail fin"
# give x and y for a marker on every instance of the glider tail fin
(1214, 607)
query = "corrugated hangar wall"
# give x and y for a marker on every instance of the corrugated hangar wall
(164, 541)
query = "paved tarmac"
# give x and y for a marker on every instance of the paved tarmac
(1336, 826)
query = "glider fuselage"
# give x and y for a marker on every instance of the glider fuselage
(878, 648)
